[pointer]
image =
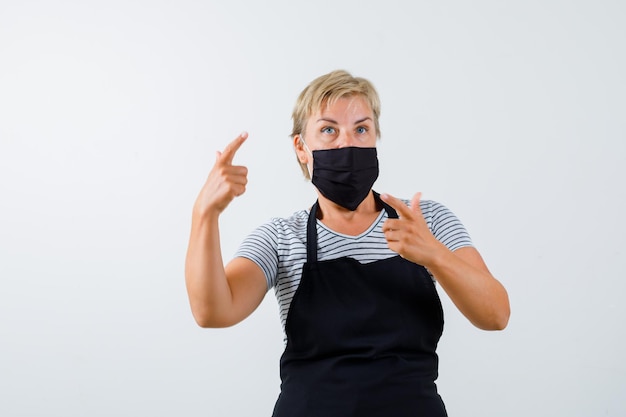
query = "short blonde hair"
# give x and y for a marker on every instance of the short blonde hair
(325, 91)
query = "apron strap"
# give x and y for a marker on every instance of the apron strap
(311, 235)
(391, 212)
(311, 230)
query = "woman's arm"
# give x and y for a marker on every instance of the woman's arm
(471, 287)
(220, 296)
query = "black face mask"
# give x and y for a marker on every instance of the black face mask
(345, 176)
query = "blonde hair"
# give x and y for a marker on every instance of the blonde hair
(325, 91)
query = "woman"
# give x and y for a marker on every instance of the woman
(354, 275)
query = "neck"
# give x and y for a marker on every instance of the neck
(346, 221)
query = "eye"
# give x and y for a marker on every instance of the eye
(361, 130)
(328, 130)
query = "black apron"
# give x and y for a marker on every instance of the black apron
(361, 339)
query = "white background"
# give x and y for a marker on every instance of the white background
(513, 114)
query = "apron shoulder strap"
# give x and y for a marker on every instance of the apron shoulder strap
(391, 212)
(311, 235)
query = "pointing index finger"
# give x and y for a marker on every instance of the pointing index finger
(232, 148)
(402, 209)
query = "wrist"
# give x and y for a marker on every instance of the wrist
(204, 214)
(440, 257)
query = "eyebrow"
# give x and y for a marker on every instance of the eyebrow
(323, 119)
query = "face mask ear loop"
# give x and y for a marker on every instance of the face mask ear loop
(310, 153)
(305, 145)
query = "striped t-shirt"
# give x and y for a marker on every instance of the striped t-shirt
(279, 246)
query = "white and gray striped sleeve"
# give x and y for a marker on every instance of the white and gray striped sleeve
(261, 247)
(444, 225)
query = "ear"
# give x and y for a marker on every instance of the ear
(301, 153)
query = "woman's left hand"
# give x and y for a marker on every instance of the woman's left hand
(462, 273)
(409, 235)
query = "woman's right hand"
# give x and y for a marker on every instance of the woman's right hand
(225, 182)
(219, 296)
